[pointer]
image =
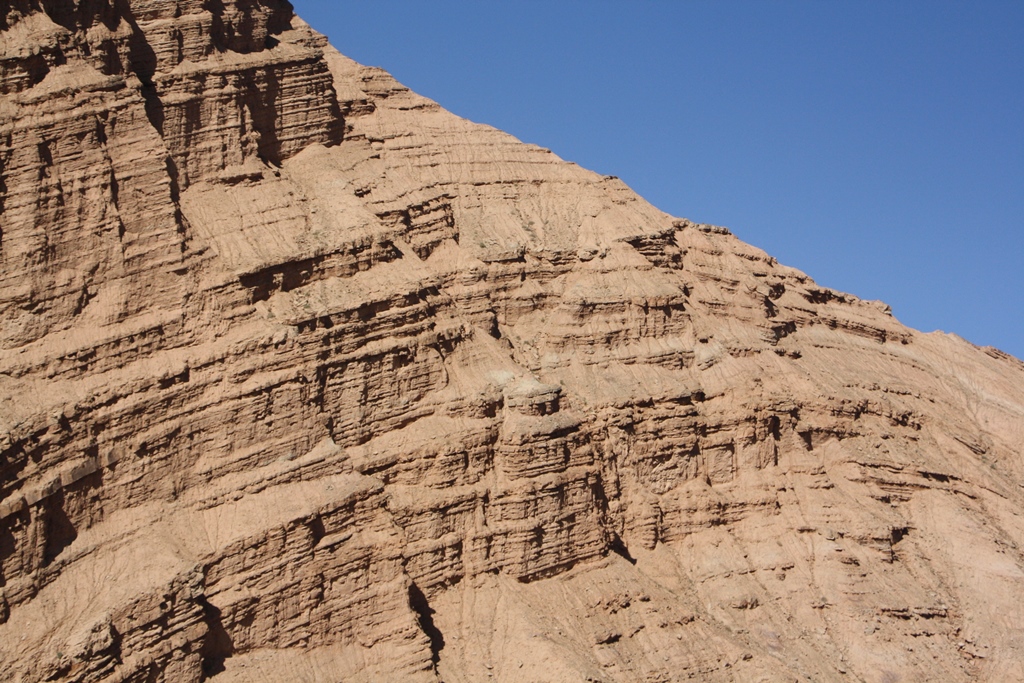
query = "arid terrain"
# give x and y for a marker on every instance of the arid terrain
(304, 378)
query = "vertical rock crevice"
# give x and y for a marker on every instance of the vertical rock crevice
(217, 645)
(425, 618)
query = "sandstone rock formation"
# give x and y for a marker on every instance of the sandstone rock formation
(304, 378)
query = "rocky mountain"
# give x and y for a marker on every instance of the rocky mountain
(304, 378)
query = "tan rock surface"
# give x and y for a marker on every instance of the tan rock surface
(304, 378)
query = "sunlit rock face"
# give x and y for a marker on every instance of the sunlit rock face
(304, 378)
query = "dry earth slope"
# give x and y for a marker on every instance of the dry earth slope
(304, 378)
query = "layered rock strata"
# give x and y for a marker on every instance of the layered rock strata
(304, 378)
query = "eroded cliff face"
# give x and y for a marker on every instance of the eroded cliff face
(304, 378)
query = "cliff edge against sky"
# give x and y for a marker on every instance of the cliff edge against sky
(304, 378)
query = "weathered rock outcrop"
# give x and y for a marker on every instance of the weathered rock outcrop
(304, 378)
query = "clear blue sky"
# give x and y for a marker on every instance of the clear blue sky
(878, 146)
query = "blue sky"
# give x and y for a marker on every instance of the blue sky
(878, 146)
